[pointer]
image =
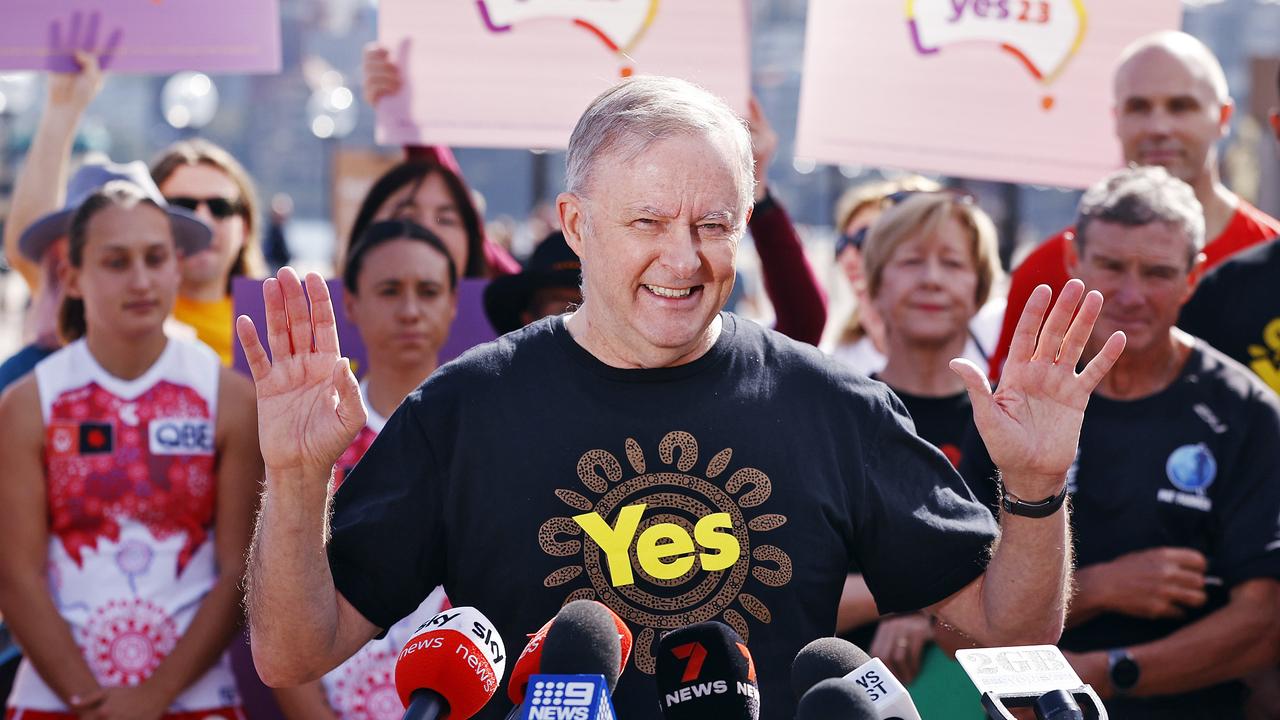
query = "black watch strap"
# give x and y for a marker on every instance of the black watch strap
(1013, 505)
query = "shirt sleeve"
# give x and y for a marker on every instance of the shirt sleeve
(1248, 533)
(386, 546)
(921, 535)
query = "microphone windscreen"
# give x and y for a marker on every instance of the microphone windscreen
(527, 665)
(584, 640)
(835, 699)
(824, 658)
(458, 654)
(705, 671)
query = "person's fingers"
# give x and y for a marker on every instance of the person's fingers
(978, 387)
(323, 322)
(1049, 343)
(1081, 328)
(295, 302)
(1101, 364)
(277, 320)
(1028, 327)
(1187, 597)
(87, 61)
(915, 656)
(351, 412)
(1187, 558)
(254, 354)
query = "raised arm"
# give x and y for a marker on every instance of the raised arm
(1031, 426)
(42, 185)
(798, 300)
(309, 410)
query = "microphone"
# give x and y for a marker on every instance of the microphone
(705, 671)
(835, 699)
(1034, 676)
(451, 666)
(828, 658)
(530, 662)
(822, 659)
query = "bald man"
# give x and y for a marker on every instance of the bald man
(1172, 106)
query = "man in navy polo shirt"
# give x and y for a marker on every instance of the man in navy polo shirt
(1176, 488)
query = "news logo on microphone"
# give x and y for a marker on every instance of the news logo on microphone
(567, 697)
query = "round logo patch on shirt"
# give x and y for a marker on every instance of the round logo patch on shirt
(1192, 468)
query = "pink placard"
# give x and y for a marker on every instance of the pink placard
(143, 36)
(518, 73)
(1014, 90)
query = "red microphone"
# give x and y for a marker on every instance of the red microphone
(451, 666)
(530, 661)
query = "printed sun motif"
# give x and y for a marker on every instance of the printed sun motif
(124, 641)
(678, 497)
(366, 688)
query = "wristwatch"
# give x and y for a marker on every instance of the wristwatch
(1014, 505)
(1123, 670)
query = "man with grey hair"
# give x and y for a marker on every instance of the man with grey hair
(1171, 107)
(651, 451)
(1175, 492)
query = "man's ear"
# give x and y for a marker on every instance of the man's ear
(573, 221)
(1072, 257)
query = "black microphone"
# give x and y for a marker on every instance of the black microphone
(822, 659)
(705, 671)
(835, 699)
(583, 640)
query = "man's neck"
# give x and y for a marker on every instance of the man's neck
(923, 370)
(1218, 202)
(615, 351)
(1141, 373)
(388, 386)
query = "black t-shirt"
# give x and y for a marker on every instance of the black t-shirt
(1196, 465)
(945, 423)
(1236, 309)
(778, 468)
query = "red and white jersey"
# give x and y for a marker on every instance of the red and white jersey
(131, 488)
(364, 687)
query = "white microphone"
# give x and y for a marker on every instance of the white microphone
(888, 697)
(1034, 676)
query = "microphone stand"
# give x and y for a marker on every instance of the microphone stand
(426, 704)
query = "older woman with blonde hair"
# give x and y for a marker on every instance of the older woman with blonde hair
(930, 262)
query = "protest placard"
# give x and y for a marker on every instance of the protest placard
(143, 36)
(518, 73)
(1014, 90)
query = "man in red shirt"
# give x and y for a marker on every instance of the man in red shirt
(1172, 106)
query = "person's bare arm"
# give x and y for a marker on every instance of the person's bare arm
(42, 185)
(309, 410)
(304, 702)
(1160, 582)
(24, 534)
(1031, 426)
(857, 606)
(1225, 645)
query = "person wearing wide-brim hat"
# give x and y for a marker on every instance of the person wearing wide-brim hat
(44, 243)
(549, 285)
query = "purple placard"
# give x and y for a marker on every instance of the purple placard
(470, 327)
(142, 36)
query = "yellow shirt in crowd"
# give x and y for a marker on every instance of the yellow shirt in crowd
(211, 319)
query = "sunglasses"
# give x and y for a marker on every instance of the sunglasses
(859, 237)
(219, 208)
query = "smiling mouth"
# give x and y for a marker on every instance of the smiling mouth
(673, 293)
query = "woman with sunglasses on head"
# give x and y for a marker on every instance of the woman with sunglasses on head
(132, 472)
(930, 262)
(400, 285)
(205, 179)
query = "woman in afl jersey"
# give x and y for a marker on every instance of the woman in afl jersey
(400, 291)
(132, 470)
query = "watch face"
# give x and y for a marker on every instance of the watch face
(1124, 673)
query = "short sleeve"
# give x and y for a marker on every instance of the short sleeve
(921, 535)
(386, 549)
(1248, 533)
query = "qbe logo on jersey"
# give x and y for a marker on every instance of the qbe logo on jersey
(567, 697)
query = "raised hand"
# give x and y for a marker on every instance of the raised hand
(80, 35)
(309, 407)
(764, 143)
(75, 90)
(1031, 423)
(381, 74)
